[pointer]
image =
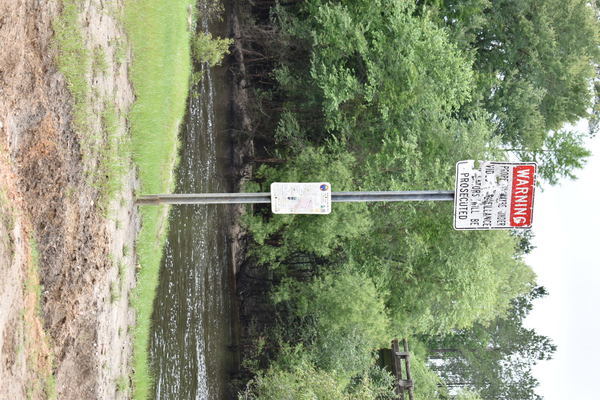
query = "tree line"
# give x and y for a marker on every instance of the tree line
(388, 95)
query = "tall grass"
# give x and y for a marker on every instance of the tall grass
(160, 39)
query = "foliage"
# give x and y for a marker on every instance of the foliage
(73, 60)
(468, 395)
(344, 320)
(535, 61)
(388, 95)
(428, 385)
(211, 50)
(319, 235)
(304, 381)
(453, 279)
(561, 154)
(496, 359)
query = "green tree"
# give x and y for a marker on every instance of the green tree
(496, 359)
(343, 319)
(303, 381)
(377, 95)
(551, 46)
(535, 63)
(211, 50)
(562, 153)
(281, 236)
(468, 395)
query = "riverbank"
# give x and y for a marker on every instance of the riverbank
(58, 146)
(68, 132)
(242, 150)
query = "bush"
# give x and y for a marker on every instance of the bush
(349, 320)
(209, 50)
(305, 382)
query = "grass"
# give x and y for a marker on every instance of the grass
(157, 31)
(36, 340)
(7, 220)
(115, 292)
(120, 51)
(160, 40)
(122, 384)
(76, 62)
(99, 62)
(73, 61)
(114, 157)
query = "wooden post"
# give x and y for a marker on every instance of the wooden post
(397, 369)
(401, 384)
(408, 374)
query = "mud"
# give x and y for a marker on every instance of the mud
(85, 269)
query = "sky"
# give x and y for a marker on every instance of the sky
(566, 225)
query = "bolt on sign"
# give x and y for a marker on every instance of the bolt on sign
(301, 198)
(494, 195)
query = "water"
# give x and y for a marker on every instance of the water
(192, 311)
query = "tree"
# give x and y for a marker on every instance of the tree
(468, 395)
(376, 95)
(303, 381)
(211, 50)
(281, 236)
(562, 153)
(496, 359)
(388, 86)
(535, 63)
(343, 319)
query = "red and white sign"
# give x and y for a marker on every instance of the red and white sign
(494, 195)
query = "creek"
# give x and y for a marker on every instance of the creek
(192, 312)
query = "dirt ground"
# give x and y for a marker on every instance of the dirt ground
(66, 264)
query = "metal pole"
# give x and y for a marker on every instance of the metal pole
(254, 198)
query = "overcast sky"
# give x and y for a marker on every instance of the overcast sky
(567, 262)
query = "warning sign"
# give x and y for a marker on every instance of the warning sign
(493, 195)
(301, 198)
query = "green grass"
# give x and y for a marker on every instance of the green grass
(76, 62)
(157, 31)
(7, 219)
(114, 156)
(73, 60)
(120, 50)
(122, 384)
(99, 62)
(160, 40)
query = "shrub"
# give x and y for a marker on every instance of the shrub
(211, 50)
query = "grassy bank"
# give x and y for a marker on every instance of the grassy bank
(159, 36)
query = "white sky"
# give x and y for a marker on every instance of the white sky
(567, 261)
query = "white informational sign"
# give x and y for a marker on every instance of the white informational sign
(301, 198)
(493, 195)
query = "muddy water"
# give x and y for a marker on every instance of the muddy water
(191, 318)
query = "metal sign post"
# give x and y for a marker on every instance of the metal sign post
(257, 198)
(488, 195)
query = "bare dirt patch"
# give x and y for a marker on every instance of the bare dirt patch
(25, 357)
(86, 257)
